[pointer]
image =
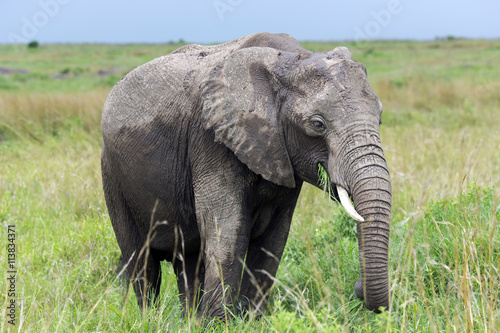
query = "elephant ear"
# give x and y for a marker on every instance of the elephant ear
(239, 100)
(341, 52)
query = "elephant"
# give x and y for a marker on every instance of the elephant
(204, 154)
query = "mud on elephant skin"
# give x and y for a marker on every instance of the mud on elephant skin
(215, 142)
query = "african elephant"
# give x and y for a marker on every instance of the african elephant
(204, 154)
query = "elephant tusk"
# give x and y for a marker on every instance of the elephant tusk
(347, 204)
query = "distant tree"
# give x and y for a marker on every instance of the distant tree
(33, 44)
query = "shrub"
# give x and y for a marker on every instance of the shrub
(33, 45)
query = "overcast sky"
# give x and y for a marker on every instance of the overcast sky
(210, 21)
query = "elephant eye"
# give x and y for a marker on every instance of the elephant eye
(318, 123)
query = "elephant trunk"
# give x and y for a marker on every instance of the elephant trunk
(373, 201)
(367, 177)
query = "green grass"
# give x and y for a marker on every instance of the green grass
(441, 135)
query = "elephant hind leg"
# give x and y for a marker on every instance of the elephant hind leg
(140, 263)
(141, 266)
(146, 279)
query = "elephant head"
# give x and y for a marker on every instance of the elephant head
(284, 113)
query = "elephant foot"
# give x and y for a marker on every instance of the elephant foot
(358, 289)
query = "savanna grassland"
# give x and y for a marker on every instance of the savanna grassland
(441, 135)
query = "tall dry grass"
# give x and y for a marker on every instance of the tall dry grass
(38, 115)
(440, 136)
(421, 94)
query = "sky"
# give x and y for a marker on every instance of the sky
(213, 21)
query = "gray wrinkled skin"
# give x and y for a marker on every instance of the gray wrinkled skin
(214, 142)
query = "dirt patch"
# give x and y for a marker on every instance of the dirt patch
(109, 71)
(7, 71)
(60, 76)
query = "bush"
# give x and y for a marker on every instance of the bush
(33, 45)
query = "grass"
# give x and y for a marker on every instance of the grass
(441, 136)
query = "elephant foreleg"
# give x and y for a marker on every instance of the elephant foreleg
(224, 256)
(224, 229)
(263, 257)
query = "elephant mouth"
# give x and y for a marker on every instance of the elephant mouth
(344, 198)
(345, 201)
(341, 195)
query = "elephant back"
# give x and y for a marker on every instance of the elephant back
(168, 88)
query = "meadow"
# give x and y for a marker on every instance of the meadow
(441, 136)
